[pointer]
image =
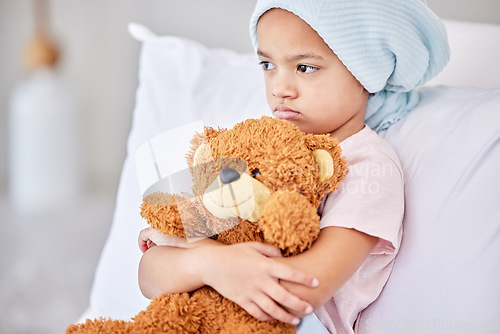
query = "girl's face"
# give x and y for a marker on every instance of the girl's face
(306, 83)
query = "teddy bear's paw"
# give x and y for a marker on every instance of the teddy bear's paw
(160, 208)
(289, 222)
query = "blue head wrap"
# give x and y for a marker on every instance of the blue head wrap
(390, 46)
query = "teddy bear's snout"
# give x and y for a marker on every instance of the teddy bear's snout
(236, 194)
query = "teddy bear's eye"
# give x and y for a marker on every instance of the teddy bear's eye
(255, 172)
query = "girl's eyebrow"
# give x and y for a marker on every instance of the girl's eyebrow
(294, 57)
(304, 56)
(260, 53)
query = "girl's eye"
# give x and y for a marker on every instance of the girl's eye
(306, 68)
(267, 65)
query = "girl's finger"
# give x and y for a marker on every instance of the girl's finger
(143, 246)
(266, 249)
(269, 306)
(286, 273)
(143, 235)
(287, 300)
(255, 311)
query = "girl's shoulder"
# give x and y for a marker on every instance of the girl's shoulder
(366, 147)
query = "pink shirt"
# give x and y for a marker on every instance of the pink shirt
(370, 200)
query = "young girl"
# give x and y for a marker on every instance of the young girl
(329, 67)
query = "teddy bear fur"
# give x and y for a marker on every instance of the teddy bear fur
(273, 155)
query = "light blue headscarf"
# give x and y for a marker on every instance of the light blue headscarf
(390, 46)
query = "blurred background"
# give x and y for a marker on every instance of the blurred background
(68, 74)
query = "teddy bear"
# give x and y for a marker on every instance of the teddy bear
(263, 180)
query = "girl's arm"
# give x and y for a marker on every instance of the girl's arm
(333, 259)
(255, 276)
(245, 273)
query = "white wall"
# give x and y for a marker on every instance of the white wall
(487, 11)
(100, 59)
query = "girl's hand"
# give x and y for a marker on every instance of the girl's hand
(247, 274)
(150, 237)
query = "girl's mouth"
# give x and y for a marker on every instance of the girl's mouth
(283, 112)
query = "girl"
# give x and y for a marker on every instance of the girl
(330, 67)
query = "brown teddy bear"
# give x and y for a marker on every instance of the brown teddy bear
(262, 181)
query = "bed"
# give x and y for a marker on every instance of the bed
(446, 275)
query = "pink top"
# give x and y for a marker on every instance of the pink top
(370, 200)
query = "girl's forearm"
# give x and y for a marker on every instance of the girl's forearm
(333, 258)
(165, 269)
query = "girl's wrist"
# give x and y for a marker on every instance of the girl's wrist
(204, 260)
(202, 242)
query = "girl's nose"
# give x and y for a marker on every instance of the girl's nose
(283, 87)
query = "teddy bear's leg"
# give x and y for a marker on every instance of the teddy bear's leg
(254, 326)
(212, 310)
(237, 320)
(172, 313)
(100, 326)
(243, 323)
(289, 222)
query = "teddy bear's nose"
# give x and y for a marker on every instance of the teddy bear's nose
(228, 175)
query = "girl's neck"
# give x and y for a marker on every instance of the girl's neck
(353, 126)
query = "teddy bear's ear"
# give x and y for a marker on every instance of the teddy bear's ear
(202, 155)
(200, 148)
(199, 139)
(325, 164)
(326, 152)
(200, 144)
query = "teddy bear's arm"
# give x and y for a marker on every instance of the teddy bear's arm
(162, 214)
(174, 215)
(289, 222)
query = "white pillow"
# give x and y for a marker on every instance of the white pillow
(181, 81)
(447, 271)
